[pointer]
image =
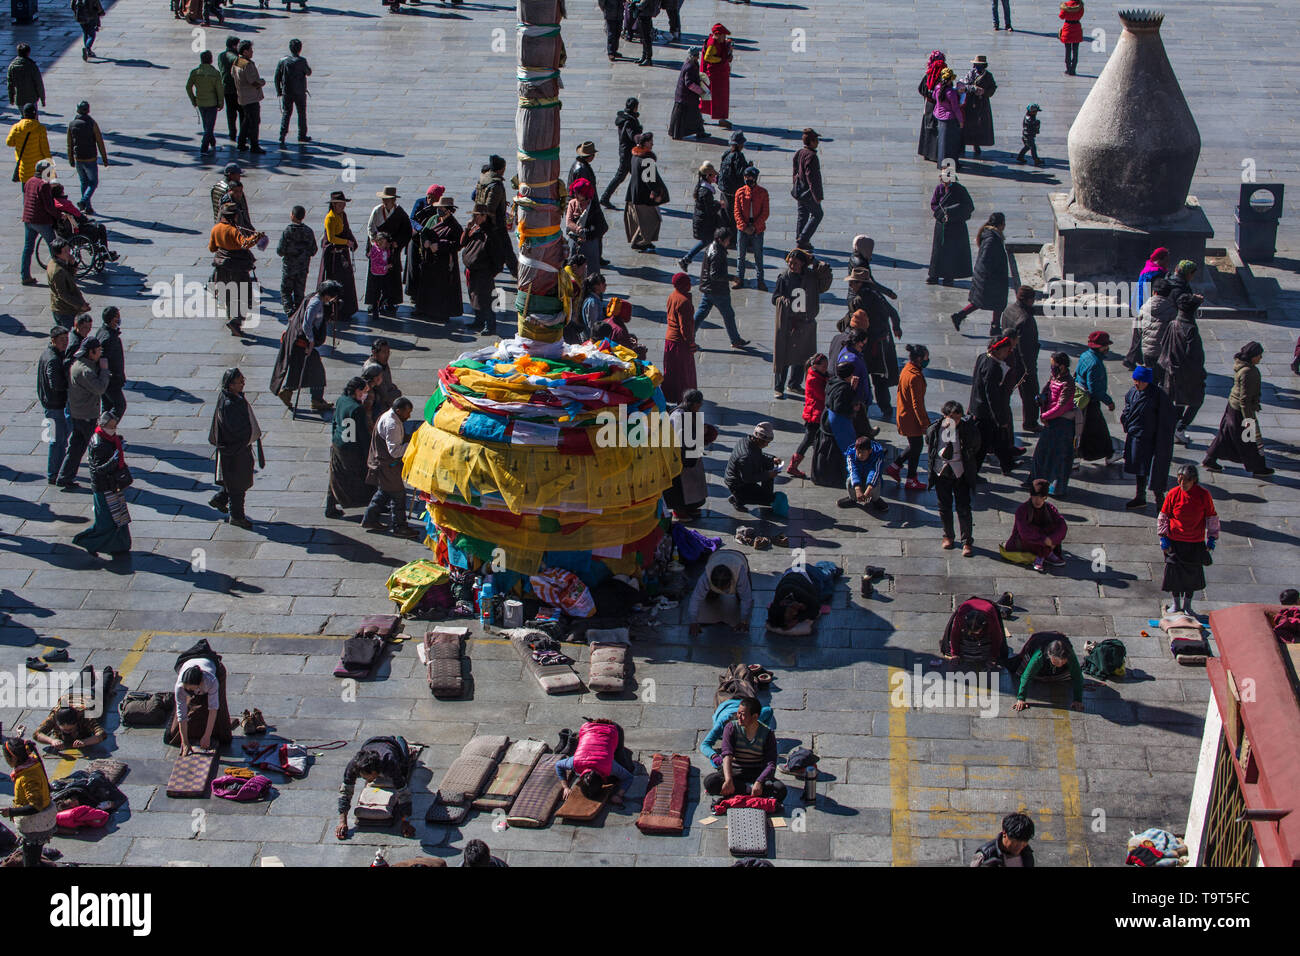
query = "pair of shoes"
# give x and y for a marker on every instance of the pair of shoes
(762, 286)
(1136, 504)
(241, 522)
(335, 513)
(57, 656)
(36, 664)
(252, 722)
(1211, 465)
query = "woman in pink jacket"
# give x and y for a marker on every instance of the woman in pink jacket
(1054, 453)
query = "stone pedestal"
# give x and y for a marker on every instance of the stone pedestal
(1091, 246)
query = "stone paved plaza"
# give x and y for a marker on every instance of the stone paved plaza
(426, 96)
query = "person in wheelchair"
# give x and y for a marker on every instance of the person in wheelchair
(73, 222)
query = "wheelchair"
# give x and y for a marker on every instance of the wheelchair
(89, 247)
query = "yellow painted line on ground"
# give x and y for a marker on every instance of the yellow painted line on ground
(1068, 773)
(900, 816)
(129, 663)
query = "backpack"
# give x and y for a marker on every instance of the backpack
(799, 761)
(288, 759)
(376, 805)
(361, 652)
(1105, 660)
(142, 709)
(974, 650)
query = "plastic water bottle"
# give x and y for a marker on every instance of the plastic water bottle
(485, 603)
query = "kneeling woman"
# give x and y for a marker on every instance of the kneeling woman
(110, 477)
(801, 594)
(1039, 529)
(1049, 656)
(202, 715)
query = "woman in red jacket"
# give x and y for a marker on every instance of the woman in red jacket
(814, 404)
(913, 420)
(1071, 33)
(1188, 527)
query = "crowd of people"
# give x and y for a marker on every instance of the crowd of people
(427, 257)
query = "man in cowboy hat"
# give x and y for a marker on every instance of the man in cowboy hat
(291, 86)
(581, 169)
(232, 176)
(391, 220)
(977, 127)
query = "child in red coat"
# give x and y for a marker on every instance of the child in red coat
(814, 404)
(1071, 33)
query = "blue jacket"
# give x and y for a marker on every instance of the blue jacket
(860, 370)
(1091, 374)
(725, 713)
(867, 472)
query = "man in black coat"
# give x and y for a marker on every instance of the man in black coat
(1011, 846)
(110, 337)
(731, 176)
(1019, 317)
(954, 449)
(990, 405)
(52, 392)
(807, 189)
(628, 122)
(291, 86)
(612, 12)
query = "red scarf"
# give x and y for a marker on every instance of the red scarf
(117, 443)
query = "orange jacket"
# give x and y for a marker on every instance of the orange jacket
(913, 419)
(751, 208)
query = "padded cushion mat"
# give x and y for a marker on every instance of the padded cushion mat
(608, 668)
(665, 798)
(539, 796)
(192, 774)
(747, 831)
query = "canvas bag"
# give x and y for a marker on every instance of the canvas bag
(376, 804)
(289, 759)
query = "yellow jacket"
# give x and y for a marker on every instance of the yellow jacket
(37, 146)
(31, 786)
